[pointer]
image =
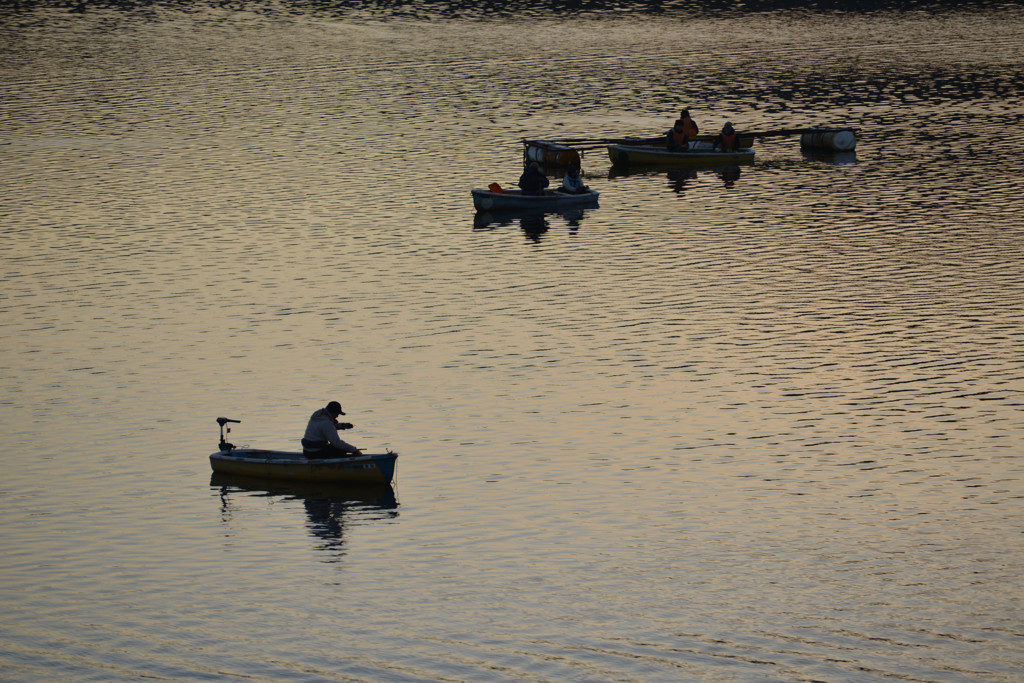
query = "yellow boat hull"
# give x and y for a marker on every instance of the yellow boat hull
(650, 155)
(370, 468)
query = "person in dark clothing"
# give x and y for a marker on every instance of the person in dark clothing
(533, 181)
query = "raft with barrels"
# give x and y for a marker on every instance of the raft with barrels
(564, 152)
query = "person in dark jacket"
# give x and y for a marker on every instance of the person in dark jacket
(533, 181)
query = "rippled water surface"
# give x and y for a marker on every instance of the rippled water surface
(746, 424)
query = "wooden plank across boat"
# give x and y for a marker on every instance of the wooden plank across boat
(367, 468)
(490, 200)
(699, 154)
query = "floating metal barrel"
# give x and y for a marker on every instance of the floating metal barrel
(835, 139)
(549, 153)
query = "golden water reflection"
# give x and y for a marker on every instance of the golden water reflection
(683, 434)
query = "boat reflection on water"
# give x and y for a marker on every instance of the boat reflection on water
(534, 222)
(679, 178)
(729, 175)
(829, 157)
(329, 508)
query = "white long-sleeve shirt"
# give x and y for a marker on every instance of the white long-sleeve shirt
(573, 184)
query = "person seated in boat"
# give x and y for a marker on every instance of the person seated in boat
(533, 181)
(573, 180)
(321, 439)
(677, 140)
(689, 125)
(728, 140)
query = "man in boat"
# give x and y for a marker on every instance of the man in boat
(689, 125)
(533, 181)
(677, 139)
(728, 140)
(321, 439)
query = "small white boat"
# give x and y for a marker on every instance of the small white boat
(492, 200)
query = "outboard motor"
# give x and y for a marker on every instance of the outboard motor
(224, 445)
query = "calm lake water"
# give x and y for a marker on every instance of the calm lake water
(763, 424)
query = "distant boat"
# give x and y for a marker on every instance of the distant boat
(498, 200)
(699, 154)
(366, 468)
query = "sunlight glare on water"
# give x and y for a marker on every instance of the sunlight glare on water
(752, 423)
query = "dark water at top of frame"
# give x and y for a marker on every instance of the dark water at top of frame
(760, 423)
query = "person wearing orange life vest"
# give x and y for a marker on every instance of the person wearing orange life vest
(728, 140)
(689, 125)
(677, 139)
